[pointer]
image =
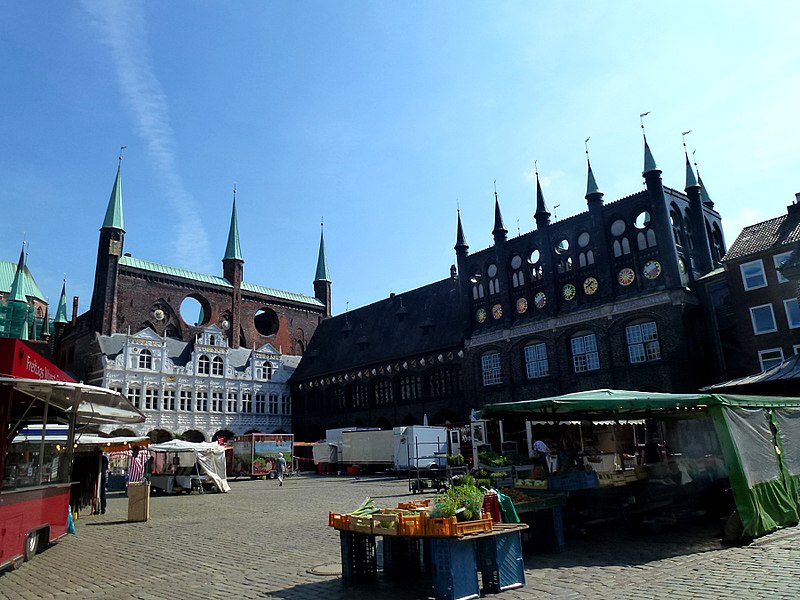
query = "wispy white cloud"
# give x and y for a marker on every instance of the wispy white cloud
(123, 29)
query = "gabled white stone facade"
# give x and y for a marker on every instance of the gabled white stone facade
(204, 387)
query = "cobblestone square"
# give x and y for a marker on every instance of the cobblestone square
(265, 541)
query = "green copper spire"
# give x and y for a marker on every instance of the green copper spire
(61, 313)
(706, 198)
(649, 161)
(322, 262)
(17, 293)
(113, 218)
(591, 184)
(691, 181)
(233, 250)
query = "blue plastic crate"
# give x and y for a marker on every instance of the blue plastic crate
(359, 559)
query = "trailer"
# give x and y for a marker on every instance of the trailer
(420, 447)
(255, 454)
(368, 449)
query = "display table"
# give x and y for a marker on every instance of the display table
(453, 562)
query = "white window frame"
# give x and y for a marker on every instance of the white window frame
(643, 343)
(135, 396)
(786, 304)
(753, 263)
(151, 398)
(753, 310)
(762, 359)
(146, 360)
(491, 368)
(201, 401)
(777, 260)
(169, 400)
(217, 366)
(233, 400)
(536, 363)
(585, 356)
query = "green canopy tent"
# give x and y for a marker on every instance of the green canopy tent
(759, 437)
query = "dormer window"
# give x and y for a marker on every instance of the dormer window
(212, 340)
(146, 359)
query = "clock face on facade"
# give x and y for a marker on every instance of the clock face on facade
(480, 315)
(540, 299)
(652, 269)
(568, 291)
(626, 276)
(497, 311)
(590, 285)
(522, 305)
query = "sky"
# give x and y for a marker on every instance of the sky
(378, 119)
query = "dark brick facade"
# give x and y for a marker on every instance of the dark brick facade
(603, 277)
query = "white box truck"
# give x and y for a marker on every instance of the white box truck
(368, 448)
(420, 447)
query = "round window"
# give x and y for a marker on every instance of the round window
(492, 270)
(562, 247)
(534, 257)
(642, 220)
(516, 262)
(618, 227)
(583, 239)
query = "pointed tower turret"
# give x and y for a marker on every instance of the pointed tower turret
(322, 278)
(593, 193)
(499, 231)
(18, 291)
(599, 239)
(61, 311)
(542, 215)
(703, 259)
(103, 310)
(233, 271)
(707, 201)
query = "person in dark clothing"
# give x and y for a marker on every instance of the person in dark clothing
(103, 482)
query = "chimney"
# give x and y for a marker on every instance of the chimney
(74, 309)
(794, 207)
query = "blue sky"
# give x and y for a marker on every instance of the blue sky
(381, 118)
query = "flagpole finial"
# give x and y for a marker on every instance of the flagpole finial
(683, 136)
(536, 167)
(641, 118)
(586, 145)
(121, 148)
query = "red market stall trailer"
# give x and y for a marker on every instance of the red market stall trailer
(35, 483)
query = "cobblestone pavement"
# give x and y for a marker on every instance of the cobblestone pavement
(262, 541)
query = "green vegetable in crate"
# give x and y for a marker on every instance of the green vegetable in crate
(367, 507)
(462, 501)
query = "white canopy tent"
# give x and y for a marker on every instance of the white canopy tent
(209, 455)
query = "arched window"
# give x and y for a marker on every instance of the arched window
(383, 392)
(145, 359)
(491, 368)
(443, 383)
(584, 353)
(643, 344)
(410, 388)
(217, 366)
(203, 365)
(675, 222)
(536, 364)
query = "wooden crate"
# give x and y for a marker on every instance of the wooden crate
(386, 524)
(361, 524)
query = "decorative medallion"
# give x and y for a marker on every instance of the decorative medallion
(480, 315)
(225, 325)
(568, 291)
(682, 265)
(590, 285)
(497, 311)
(540, 299)
(158, 314)
(626, 276)
(522, 305)
(652, 269)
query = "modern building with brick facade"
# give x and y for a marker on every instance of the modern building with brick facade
(134, 299)
(604, 299)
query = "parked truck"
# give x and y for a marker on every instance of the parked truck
(419, 447)
(368, 450)
(255, 454)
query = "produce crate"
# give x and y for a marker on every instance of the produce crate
(440, 526)
(359, 558)
(410, 525)
(361, 524)
(338, 521)
(478, 526)
(615, 478)
(413, 504)
(385, 524)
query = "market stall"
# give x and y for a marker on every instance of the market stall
(184, 466)
(674, 450)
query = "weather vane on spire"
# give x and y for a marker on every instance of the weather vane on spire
(641, 118)
(121, 148)
(586, 145)
(536, 168)
(683, 135)
(234, 192)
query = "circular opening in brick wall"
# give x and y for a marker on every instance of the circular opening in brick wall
(266, 321)
(194, 311)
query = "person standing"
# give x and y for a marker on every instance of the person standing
(280, 467)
